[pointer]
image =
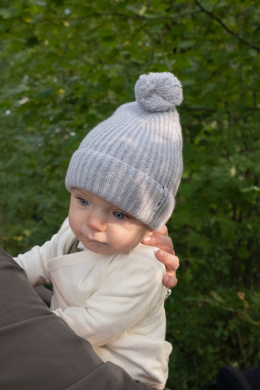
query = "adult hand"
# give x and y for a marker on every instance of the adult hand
(165, 254)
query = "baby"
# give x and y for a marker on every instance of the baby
(123, 180)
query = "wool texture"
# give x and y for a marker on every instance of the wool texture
(134, 158)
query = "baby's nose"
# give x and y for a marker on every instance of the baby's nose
(97, 221)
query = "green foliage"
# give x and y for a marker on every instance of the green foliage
(65, 66)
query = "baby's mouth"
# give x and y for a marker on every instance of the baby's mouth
(95, 241)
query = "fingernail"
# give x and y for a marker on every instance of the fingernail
(147, 239)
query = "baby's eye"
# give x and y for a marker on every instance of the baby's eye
(84, 202)
(119, 215)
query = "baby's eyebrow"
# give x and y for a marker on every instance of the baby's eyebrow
(78, 191)
(79, 194)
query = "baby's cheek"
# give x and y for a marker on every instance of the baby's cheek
(131, 244)
(120, 245)
(73, 225)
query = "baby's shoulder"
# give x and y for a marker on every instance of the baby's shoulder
(144, 255)
(139, 261)
(145, 251)
(137, 270)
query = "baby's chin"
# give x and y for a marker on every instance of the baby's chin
(99, 247)
(105, 249)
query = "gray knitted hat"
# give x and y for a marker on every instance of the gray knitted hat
(134, 158)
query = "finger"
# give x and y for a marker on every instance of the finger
(169, 281)
(171, 262)
(161, 241)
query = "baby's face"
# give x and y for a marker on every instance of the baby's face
(101, 226)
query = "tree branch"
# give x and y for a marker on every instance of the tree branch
(212, 16)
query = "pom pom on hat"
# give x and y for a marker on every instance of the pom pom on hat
(158, 92)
